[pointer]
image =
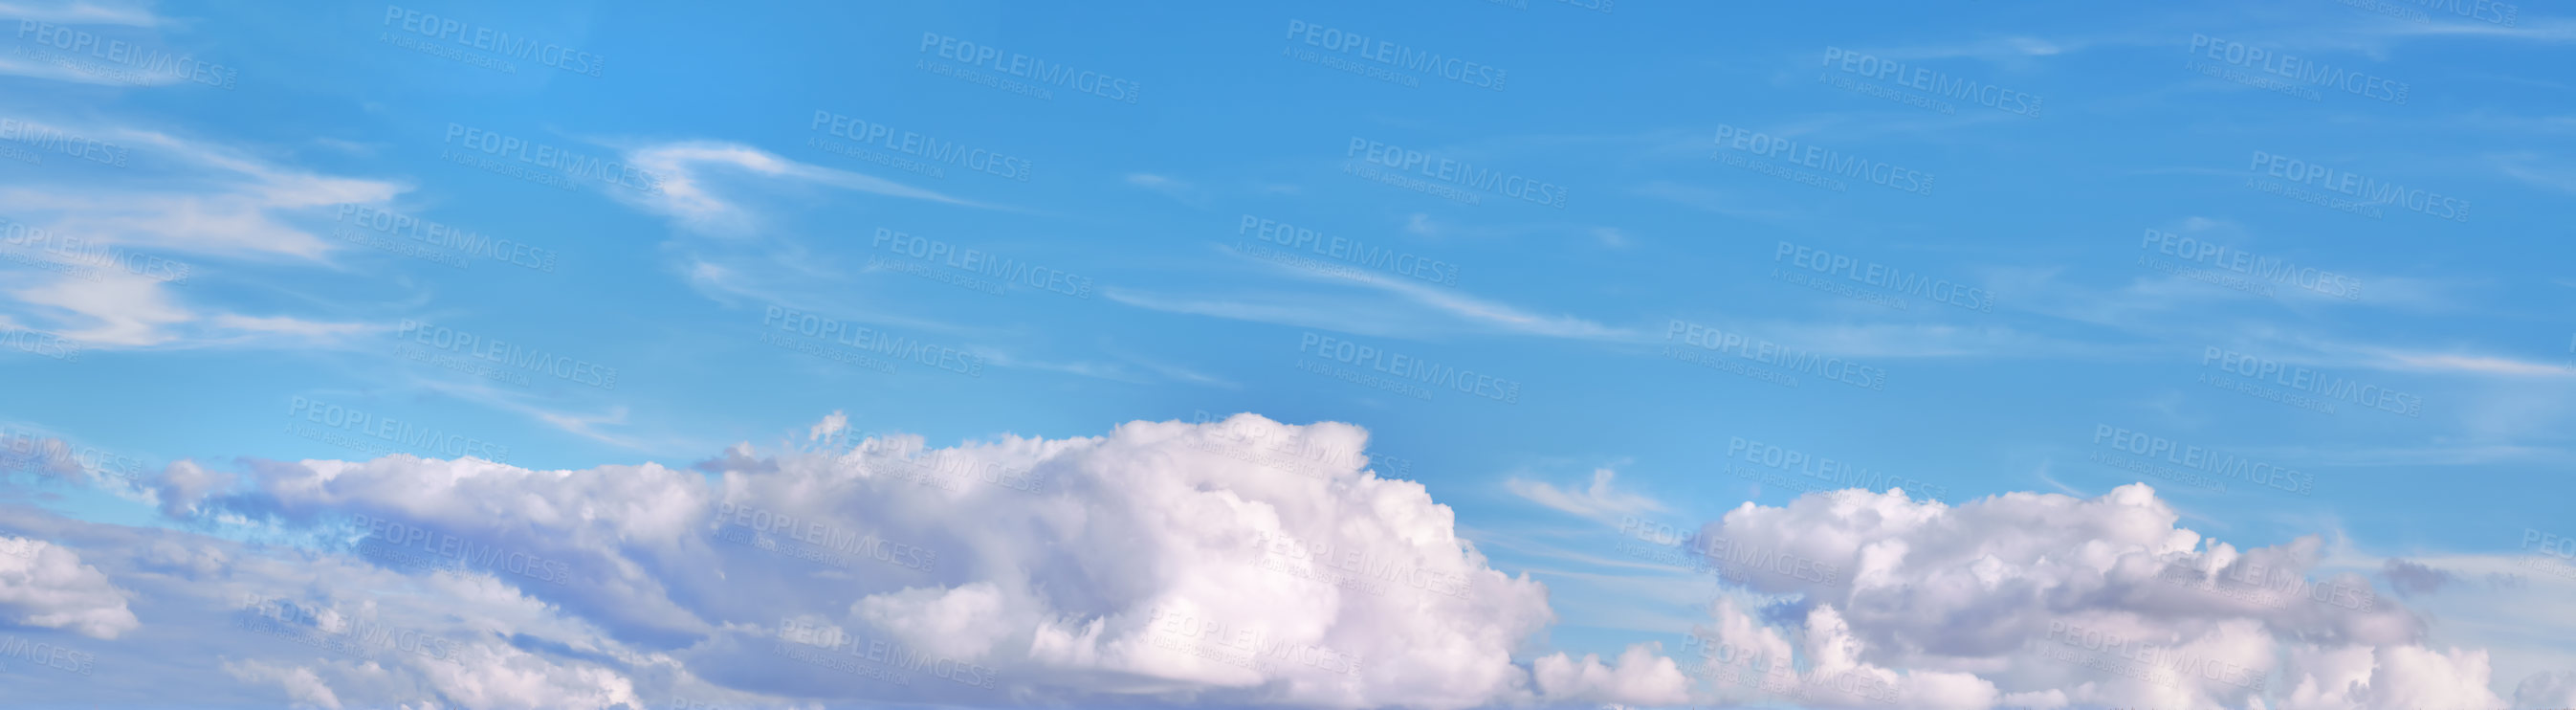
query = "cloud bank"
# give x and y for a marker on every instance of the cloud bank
(1241, 562)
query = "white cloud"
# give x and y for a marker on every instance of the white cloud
(2547, 30)
(302, 686)
(2387, 677)
(227, 202)
(117, 309)
(2469, 364)
(46, 585)
(1167, 563)
(1143, 560)
(1640, 677)
(1420, 307)
(1597, 501)
(692, 172)
(204, 200)
(1168, 186)
(1499, 316)
(2049, 600)
(505, 678)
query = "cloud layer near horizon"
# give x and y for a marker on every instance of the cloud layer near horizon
(1242, 562)
(2044, 600)
(1162, 563)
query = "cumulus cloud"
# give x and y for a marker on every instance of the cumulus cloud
(2387, 677)
(502, 677)
(1162, 563)
(1641, 677)
(183, 483)
(2048, 600)
(46, 585)
(1242, 562)
(302, 686)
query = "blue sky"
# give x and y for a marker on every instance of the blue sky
(1655, 239)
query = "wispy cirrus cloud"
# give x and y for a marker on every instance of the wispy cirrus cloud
(1599, 501)
(1417, 310)
(702, 182)
(122, 230)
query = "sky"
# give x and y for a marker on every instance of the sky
(1437, 354)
